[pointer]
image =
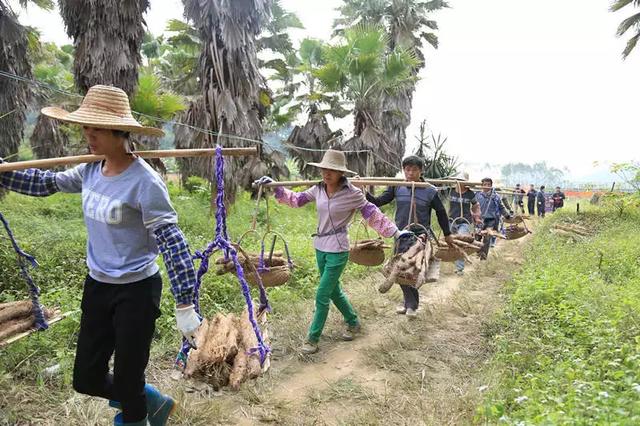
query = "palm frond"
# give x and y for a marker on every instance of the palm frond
(632, 21)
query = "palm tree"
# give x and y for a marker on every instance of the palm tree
(230, 83)
(14, 59)
(107, 36)
(631, 22)
(408, 27)
(364, 71)
(306, 142)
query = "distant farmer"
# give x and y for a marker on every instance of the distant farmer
(464, 212)
(518, 196)
(492, 209)
(558, 199)
(541, 201)
(531, 200)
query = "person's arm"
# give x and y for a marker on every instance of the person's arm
(178, 260)
(159, 217)
(441, 215)
(385, 198)
(371, 213)
(295, 199)
(42, 183)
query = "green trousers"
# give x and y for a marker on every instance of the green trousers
(331, 266)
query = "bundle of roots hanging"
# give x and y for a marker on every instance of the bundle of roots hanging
(414, 267)
(463, 245)
(276, 270)
(222, 358)
(18, 317)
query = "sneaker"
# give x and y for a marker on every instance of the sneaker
(350, 333)
(460, 272)
(309, 348)
(401, 310)
(411, 313)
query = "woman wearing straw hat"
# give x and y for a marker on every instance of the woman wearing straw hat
(336, 200)
(129, 220)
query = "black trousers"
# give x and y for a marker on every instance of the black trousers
(531, 206)
(489, 223)
(119, 320)
(541, 209)
(411, 297)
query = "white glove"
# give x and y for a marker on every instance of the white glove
(403, 233)
(188, 322)
(263, 181)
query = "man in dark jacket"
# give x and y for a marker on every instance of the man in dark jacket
(558, 199)
(425, 199)
(464, 212)
(541, 201)
(531, 200)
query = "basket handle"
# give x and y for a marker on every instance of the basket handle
(276, 235)
(361, 225)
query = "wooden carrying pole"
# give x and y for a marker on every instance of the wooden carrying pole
(358, 182)
(78, 159)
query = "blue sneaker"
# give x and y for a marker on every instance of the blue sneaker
(117, 421)
(159, 406)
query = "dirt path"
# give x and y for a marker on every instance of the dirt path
(398, 372)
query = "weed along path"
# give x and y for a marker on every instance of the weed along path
(398, 371)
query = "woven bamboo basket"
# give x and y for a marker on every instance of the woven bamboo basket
(366, 255)
(517, 229)
(270, 276)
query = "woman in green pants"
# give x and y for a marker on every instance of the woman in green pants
(336, 201)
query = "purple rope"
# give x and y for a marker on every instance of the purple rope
(222, 242)
(24, 259)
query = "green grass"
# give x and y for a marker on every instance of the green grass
(566, 345)
(52, 229)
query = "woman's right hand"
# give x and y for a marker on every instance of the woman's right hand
(264, 180)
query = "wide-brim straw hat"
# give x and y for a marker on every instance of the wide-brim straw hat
(103, 107)
(333, 160)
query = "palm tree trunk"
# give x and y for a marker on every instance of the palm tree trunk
(14, 95)
(47, 139)
(230, 82)
(396, 117)
(107, 35)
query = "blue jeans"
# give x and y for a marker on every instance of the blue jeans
(460, 229)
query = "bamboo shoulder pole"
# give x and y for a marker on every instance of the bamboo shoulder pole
(78, 159)
(355, 182)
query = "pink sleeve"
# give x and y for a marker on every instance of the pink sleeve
(294, 199)
(377, 220)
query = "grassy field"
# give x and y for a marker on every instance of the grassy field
(566, 344)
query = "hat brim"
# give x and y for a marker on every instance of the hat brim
(332, 167)
(100, 122)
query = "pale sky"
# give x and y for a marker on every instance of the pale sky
(513, 80)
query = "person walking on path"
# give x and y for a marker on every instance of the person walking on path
(518, 197)
(492, 209)
(421, 201)
(336, 202)
(130, 220)
(541, 201)
(531, 200)
(464, 212)
(558, 199)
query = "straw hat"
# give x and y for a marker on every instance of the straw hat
(333, 160)
(104, 107)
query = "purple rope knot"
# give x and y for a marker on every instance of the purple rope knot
(222, 242)
(34, 291)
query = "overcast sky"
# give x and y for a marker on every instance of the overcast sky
(513, 80)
